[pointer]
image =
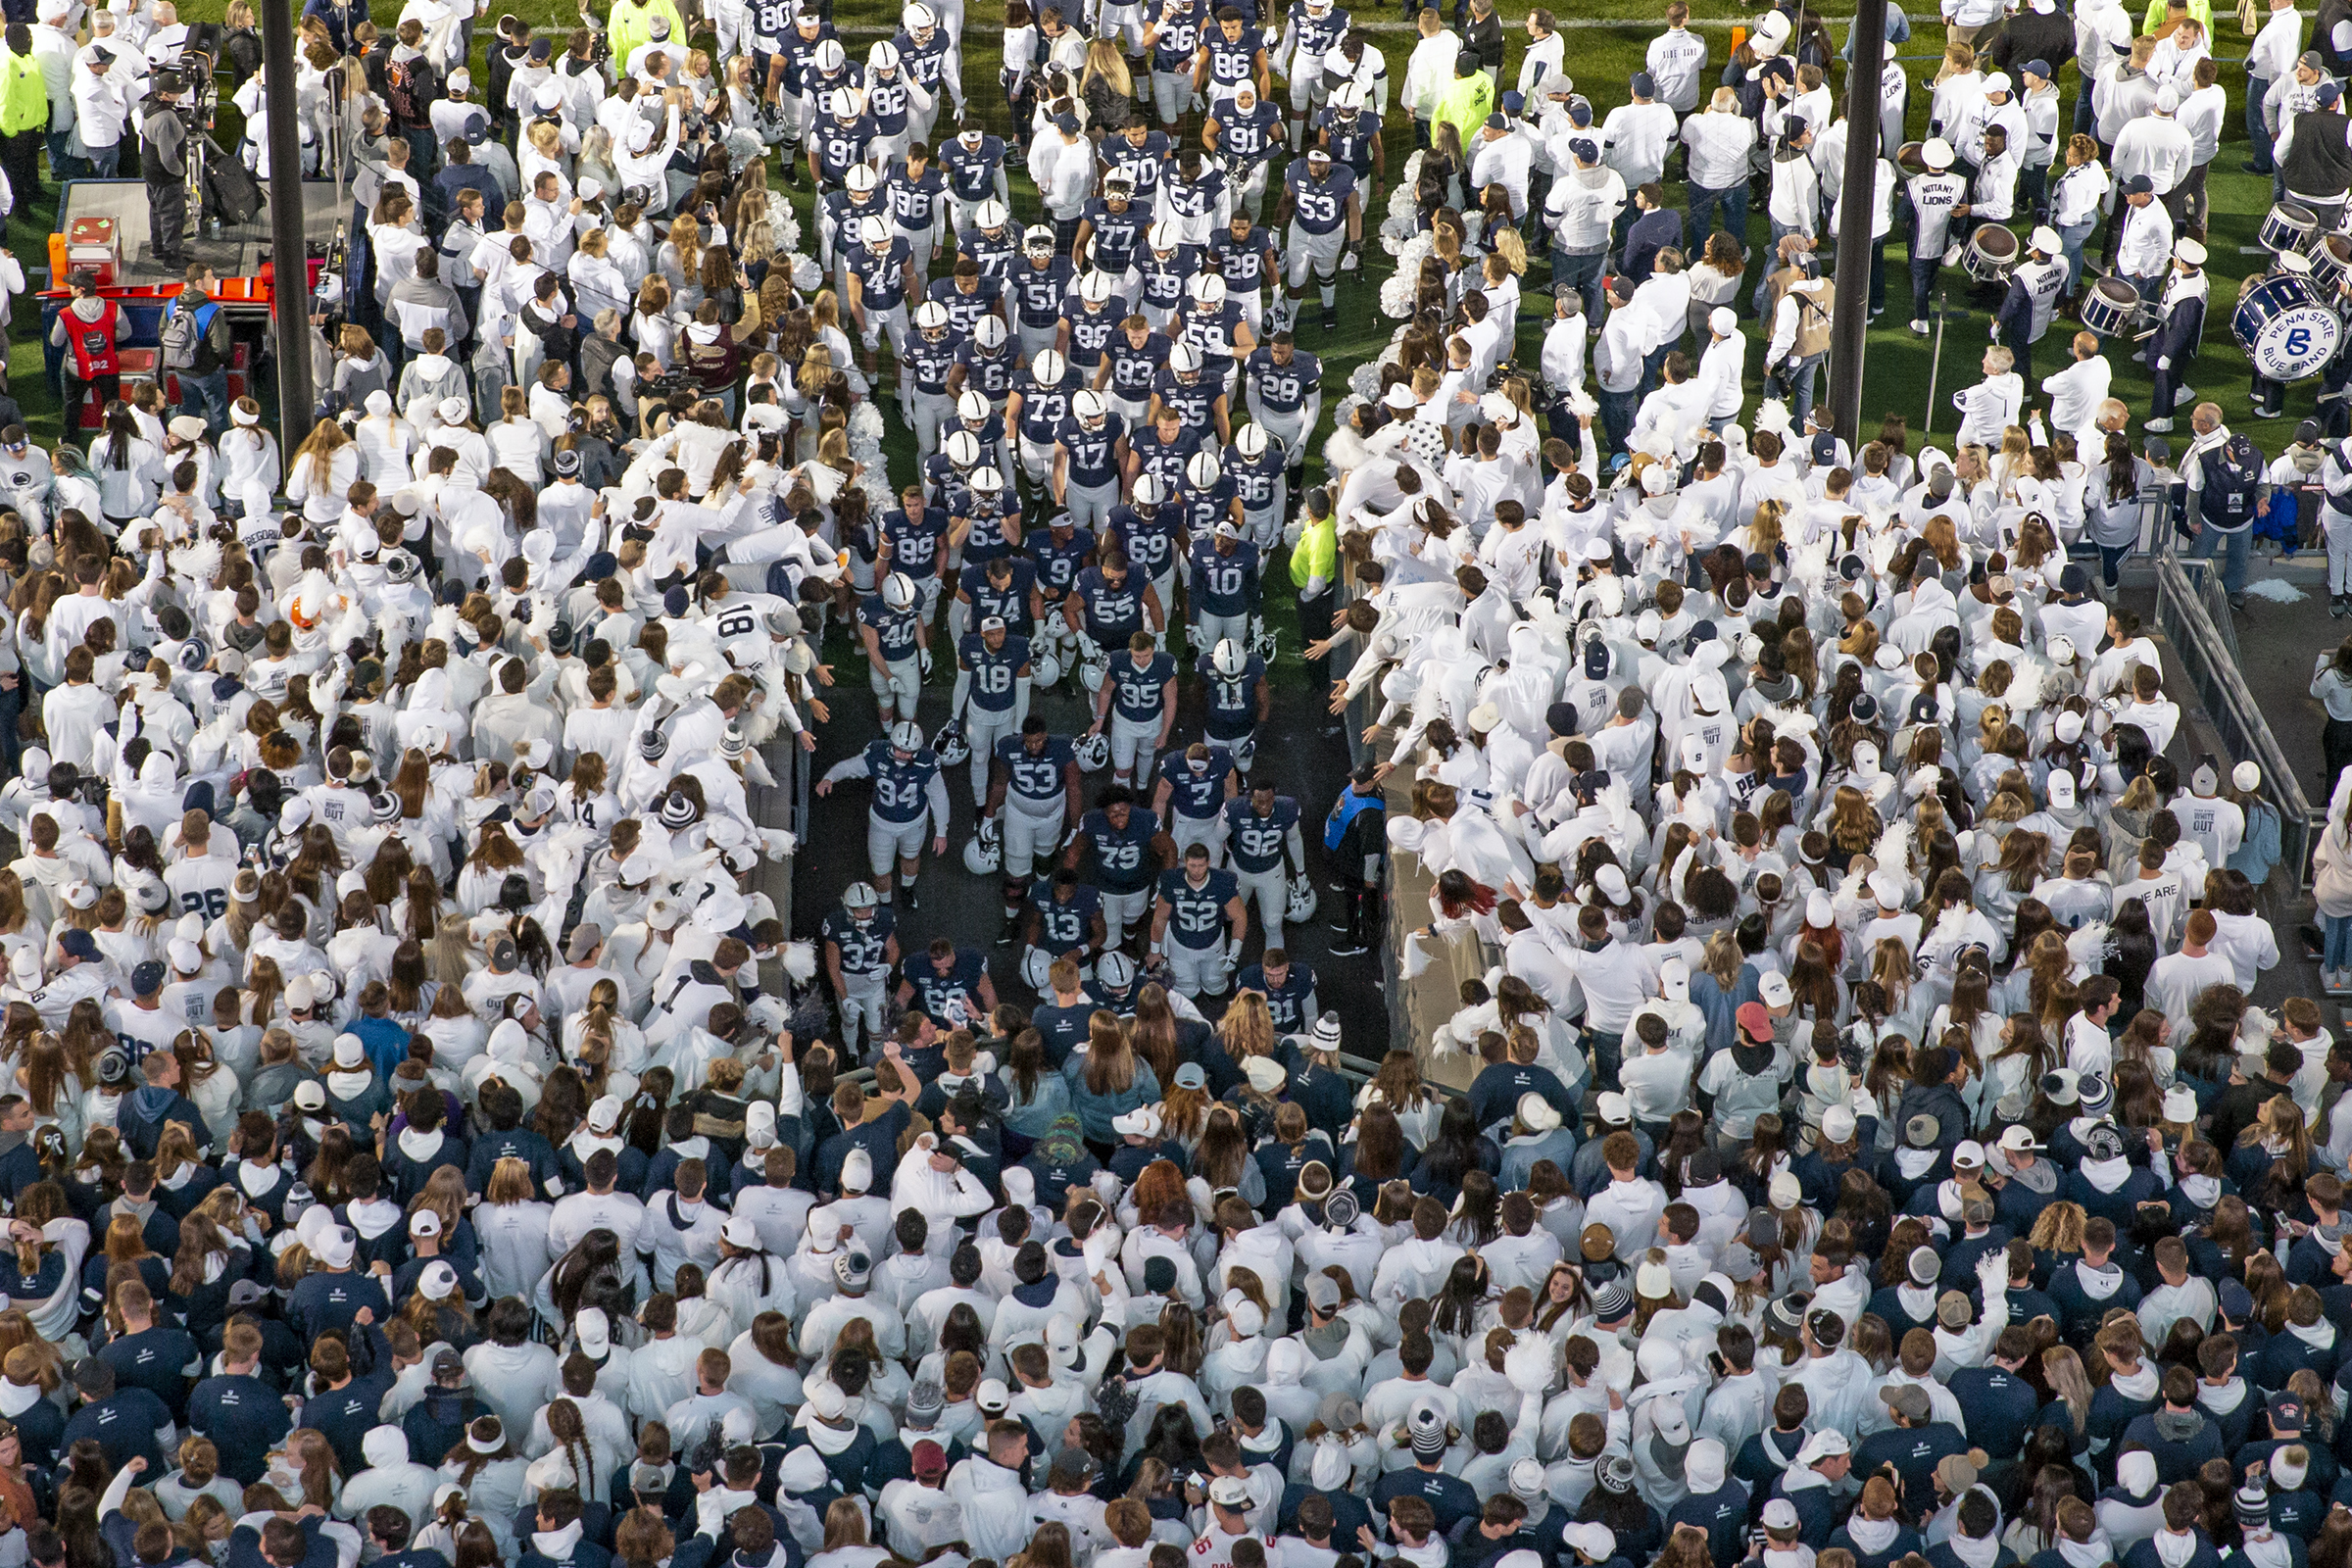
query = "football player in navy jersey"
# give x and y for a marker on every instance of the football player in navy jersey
(968, 296)
(1089, 320)
(1038, 285)
(1282, 386)
(907, 792)
(1245, 257)
(1224, 586)
(989, 239)
(1160, 449)
(1311, 30)
(913, 540)
(1198, 925)
(1063, 920)
(861, 948)
(1136, 706)
(1090, 450)
(878, 288)
(923, 395)
(1326, 213)
(1006, 587)
(1232, 55)
(917, 194)
(1289, 987)
(1193, 785)
(1263, 842)
(1216, 324)
(1173, 36)
(1146, 531)
(950, 986)
(1110, 605)
(1112, 227)
(1117, 836)
(1162, 270)
(1040, 405)
(1131, 364)
(992, 693)
(1195, 197)
(1187, 393)
(839, 136)
(933, 63)
(1032, 795)
(974, 164)
(891, 97)
(1060, 551)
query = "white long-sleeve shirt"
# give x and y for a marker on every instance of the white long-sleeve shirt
(2273, 54)
(2156, 146)
(1988, 407)
(1633, 140)
(1504, 161)
(1718, 144)
(1677, 57)
(2146, 248)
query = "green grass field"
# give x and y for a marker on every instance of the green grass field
(1606, 44)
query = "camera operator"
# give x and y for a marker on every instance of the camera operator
(164, 157)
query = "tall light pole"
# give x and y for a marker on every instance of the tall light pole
(290, 305)
(1857, 201)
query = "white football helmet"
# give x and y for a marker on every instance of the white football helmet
(1208, 289)
(1164, 236)
(1037, 239)
(972, 408)
(1093, 751)
(883, 55)
(860, 179)
(982, 858)
(1089, 408)
(989, 332)
(1203, 470)
(1149, 491)
(1229, 658)
(1184, 360)
(1048, 368)
(1095, 288)
(874, 232)
(906, 736)
(830, 57)
(1300, 907)
(986, 480)
(962, 449)
(918, 18)
(1250, 442)
(859, 896)
(1044, 670)
(931, 316)
(950, 745)
(989, 214)
(898, 591)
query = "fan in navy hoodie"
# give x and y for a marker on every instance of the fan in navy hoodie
(2222, 1394)
(508, 1139)
(2134, 1387)
(285, 1542)
(1912, 1304)
(1714, 1503)
(2109, 1186)
(2261, 1546)
(127, 1423)
(2090, 1287)
(1981, 1238)
(1810, 1485)
(2024, 1183)
(2308, 1340)
(1763, 1458)
(1976, 1543)
(1915, 1444)
(2025, 1302)
(561, 1540)
(388, 1527)
(346, 1405)
(2182, 1541)
(2176, 1433)
(244, 1416)
(1874, 1533)
(1997, 1405)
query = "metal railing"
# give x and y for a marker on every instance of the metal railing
(2193, 612)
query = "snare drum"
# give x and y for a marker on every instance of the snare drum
(2289, 226)
(2110, 306)
(2332, 263)
(1991, 254)
(2286, 329)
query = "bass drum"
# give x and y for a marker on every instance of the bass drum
(1991, 254)
(2286, 329)
(2110, 306)
(1907, 158)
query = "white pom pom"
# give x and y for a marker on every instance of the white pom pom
(1528, 1363)
(1396, 293)
(1364, 380)
(800, 961)
(865, 421)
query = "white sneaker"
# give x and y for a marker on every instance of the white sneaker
(1919, 329)
(2184, 395)
(2158, 426)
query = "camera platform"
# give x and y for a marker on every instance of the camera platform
(237, 251)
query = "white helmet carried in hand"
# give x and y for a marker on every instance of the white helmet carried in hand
(1044, 670)
(1250, 442)
(1093, 753)
(1048, 368)
(949, 746)
(991, 213)
(1300, 907)
(1203, 470)
(981, 856)
(898, 591)
(1262, 638)
(962, 448)
(1244, 753)
(1093, 670)
(1228, 657)
(906, 736)
(989, 333)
